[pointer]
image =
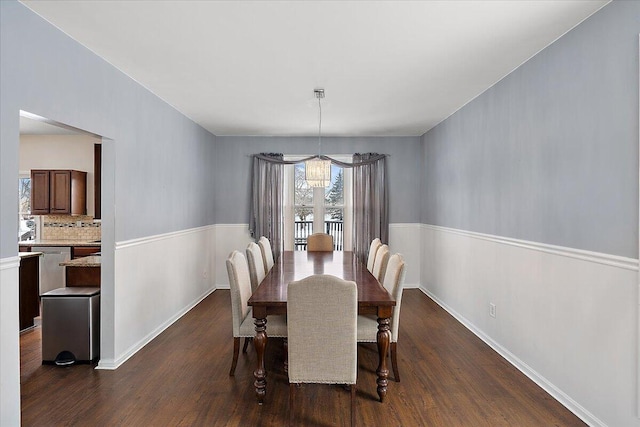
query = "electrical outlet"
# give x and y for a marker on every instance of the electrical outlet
(492, 309)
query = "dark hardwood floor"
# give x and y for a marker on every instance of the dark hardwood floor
(449, 378)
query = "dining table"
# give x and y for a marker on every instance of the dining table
(270, 298)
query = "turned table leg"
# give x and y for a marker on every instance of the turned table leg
(260, 342)
(383, 339)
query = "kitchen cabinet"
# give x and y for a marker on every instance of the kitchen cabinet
(83, 251)
(29, 288)
(58, 192)
(82, 272)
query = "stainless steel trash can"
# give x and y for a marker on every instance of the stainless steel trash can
(70, 325)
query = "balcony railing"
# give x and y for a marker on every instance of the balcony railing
(303, 229)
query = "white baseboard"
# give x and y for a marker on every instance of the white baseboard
(566, 318)
(110, 364)
(157, 279)
(546, 385)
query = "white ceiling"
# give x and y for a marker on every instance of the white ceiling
(250, 67)
(30, 126)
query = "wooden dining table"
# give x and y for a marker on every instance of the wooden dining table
(271, 298)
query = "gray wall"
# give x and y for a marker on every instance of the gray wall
(162, 159)
(550, 153)
(233, 167)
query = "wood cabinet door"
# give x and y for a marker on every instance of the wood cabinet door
(78, 197)
(60, 192)
(29, 290)
(39, 192)
(83, 251)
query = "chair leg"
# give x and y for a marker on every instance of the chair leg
(394, 361)
(292, 388)
(353, 405)
(246, 342)
(236, 350)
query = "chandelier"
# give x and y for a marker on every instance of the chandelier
(317, 170)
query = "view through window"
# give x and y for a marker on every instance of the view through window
(326, 203)
(27, 227)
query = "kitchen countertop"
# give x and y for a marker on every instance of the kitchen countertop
(88, 261)
(29, 254)
(60, 242)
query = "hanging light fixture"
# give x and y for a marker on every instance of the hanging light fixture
(317, 170)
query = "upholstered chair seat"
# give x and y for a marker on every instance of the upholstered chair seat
(267, 253)
(256, 266)
(318, 351)
(241, 312)
(373, 248)
(368, 324)
(319, 242)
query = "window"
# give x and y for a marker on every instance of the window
(317, 210)
(27, 227)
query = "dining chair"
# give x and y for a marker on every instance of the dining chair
(380, 263)
(368, 324)
(242, 314)
(256, 266)
(267, 253)
(373, 248)
(317, 353)
(319, 242)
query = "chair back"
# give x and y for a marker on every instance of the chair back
(320, 354)
(380, 263)
(240, 285)
(394, 283)
(256, 266)
(318, 242)
(267, 253)
(373, 248)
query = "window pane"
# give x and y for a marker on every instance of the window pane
(334, 194)
(333, 214)
(302, 196)
(24, 193)
(27, 227)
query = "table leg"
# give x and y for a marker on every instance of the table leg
(383, 339)
(260, 342)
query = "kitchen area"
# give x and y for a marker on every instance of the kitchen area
(59, 240)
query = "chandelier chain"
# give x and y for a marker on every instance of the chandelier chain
(319, 127)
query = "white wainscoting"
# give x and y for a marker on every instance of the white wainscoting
(566, 318)
(9, 343)
(157, 280)
(229, 237)
(403, 238)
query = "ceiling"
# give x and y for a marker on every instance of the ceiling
(30, 126)
(250, 67)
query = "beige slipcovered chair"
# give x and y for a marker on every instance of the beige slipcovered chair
(241, 313)
(380, 263)
(373, 248)
(319, 353)
(267, 253)
(318, 242)
(368, 324)
(256, 266)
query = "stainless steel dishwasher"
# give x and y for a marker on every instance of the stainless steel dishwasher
(51, 273)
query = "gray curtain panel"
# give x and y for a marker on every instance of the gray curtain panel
(266, 199)
(370, 202)
(370, 199)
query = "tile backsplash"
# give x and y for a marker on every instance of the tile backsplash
(65, 227)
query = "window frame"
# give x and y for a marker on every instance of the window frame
(289, 204)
